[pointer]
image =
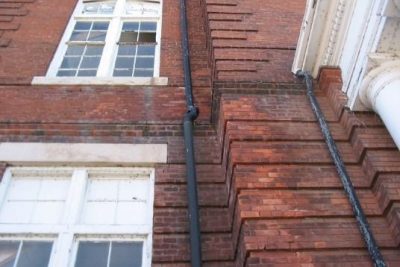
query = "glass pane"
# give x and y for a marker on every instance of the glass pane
(66, 73)
(75, 50)
(99, 8)
(124, 63)
(127, 50)
(130, 26)
(106, 8)
(87, 73)
(35, 254)
(144, 62)
(92, 254)
(97, 36)
(8, 252)
(90, 62)
(94, 50)
(146, 50)
(100, 26)
(82, 25)
(128, 37)
(79, 36)
(70, 62)
(123, 73)
(126, 254)
(147, 37)
(143, 73)
(148, 26)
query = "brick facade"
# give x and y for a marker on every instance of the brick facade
(269, 193)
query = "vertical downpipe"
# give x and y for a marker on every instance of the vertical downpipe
(363, 225)
(189, 117)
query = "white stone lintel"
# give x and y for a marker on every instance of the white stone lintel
(117, 81)
(82, 153)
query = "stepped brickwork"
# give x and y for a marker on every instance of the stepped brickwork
(269, 192)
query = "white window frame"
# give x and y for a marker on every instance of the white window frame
(107, 61)
(66, 234)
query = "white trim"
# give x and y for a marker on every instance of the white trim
(83, 153)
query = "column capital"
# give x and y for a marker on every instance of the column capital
(377, 80)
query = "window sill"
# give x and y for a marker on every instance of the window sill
(127, 81)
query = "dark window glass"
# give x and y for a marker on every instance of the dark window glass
(122, 73)
(124, 63)
(94, 51)
(75, 50)
(97, 36)
(128, 37)
(70, 62)
(87, 73)
(79, 36)
(148, 26)
(143, 73)
(81, 26)
(146, 50)
(90, 62)
(35, 254)
(8, 253)
(144, 62)
(66, 73)
(130, 26)
(126, 254)
(100, 26)
(147, 37)
(92, 254)
(127, 50)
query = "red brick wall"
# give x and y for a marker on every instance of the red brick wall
(269, 193)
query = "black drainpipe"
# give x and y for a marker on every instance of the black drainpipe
(188, 119)
(363, 225)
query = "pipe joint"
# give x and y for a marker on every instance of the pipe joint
(192, 113)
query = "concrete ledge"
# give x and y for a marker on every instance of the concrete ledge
(83, 153)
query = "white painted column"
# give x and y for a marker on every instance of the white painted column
(381, 92)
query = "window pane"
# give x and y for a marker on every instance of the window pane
(127, 50)
(146, 50)
(123, 73)
(90, 62)
(126, 254)
(87, 73)
(100, 26)
(79, 36)
(124, 63)
(94, 51)
(35, 254)
(147, 37)
(128, 37)
(66, 73)
(70, 62)
(75, 50)
(97, 36)
(82, 25)
(92, 254)
(8, 252)
(130, 26)
(148, 26)
(143, 73)
(144, 62)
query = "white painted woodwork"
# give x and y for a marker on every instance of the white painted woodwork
(121, 207)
